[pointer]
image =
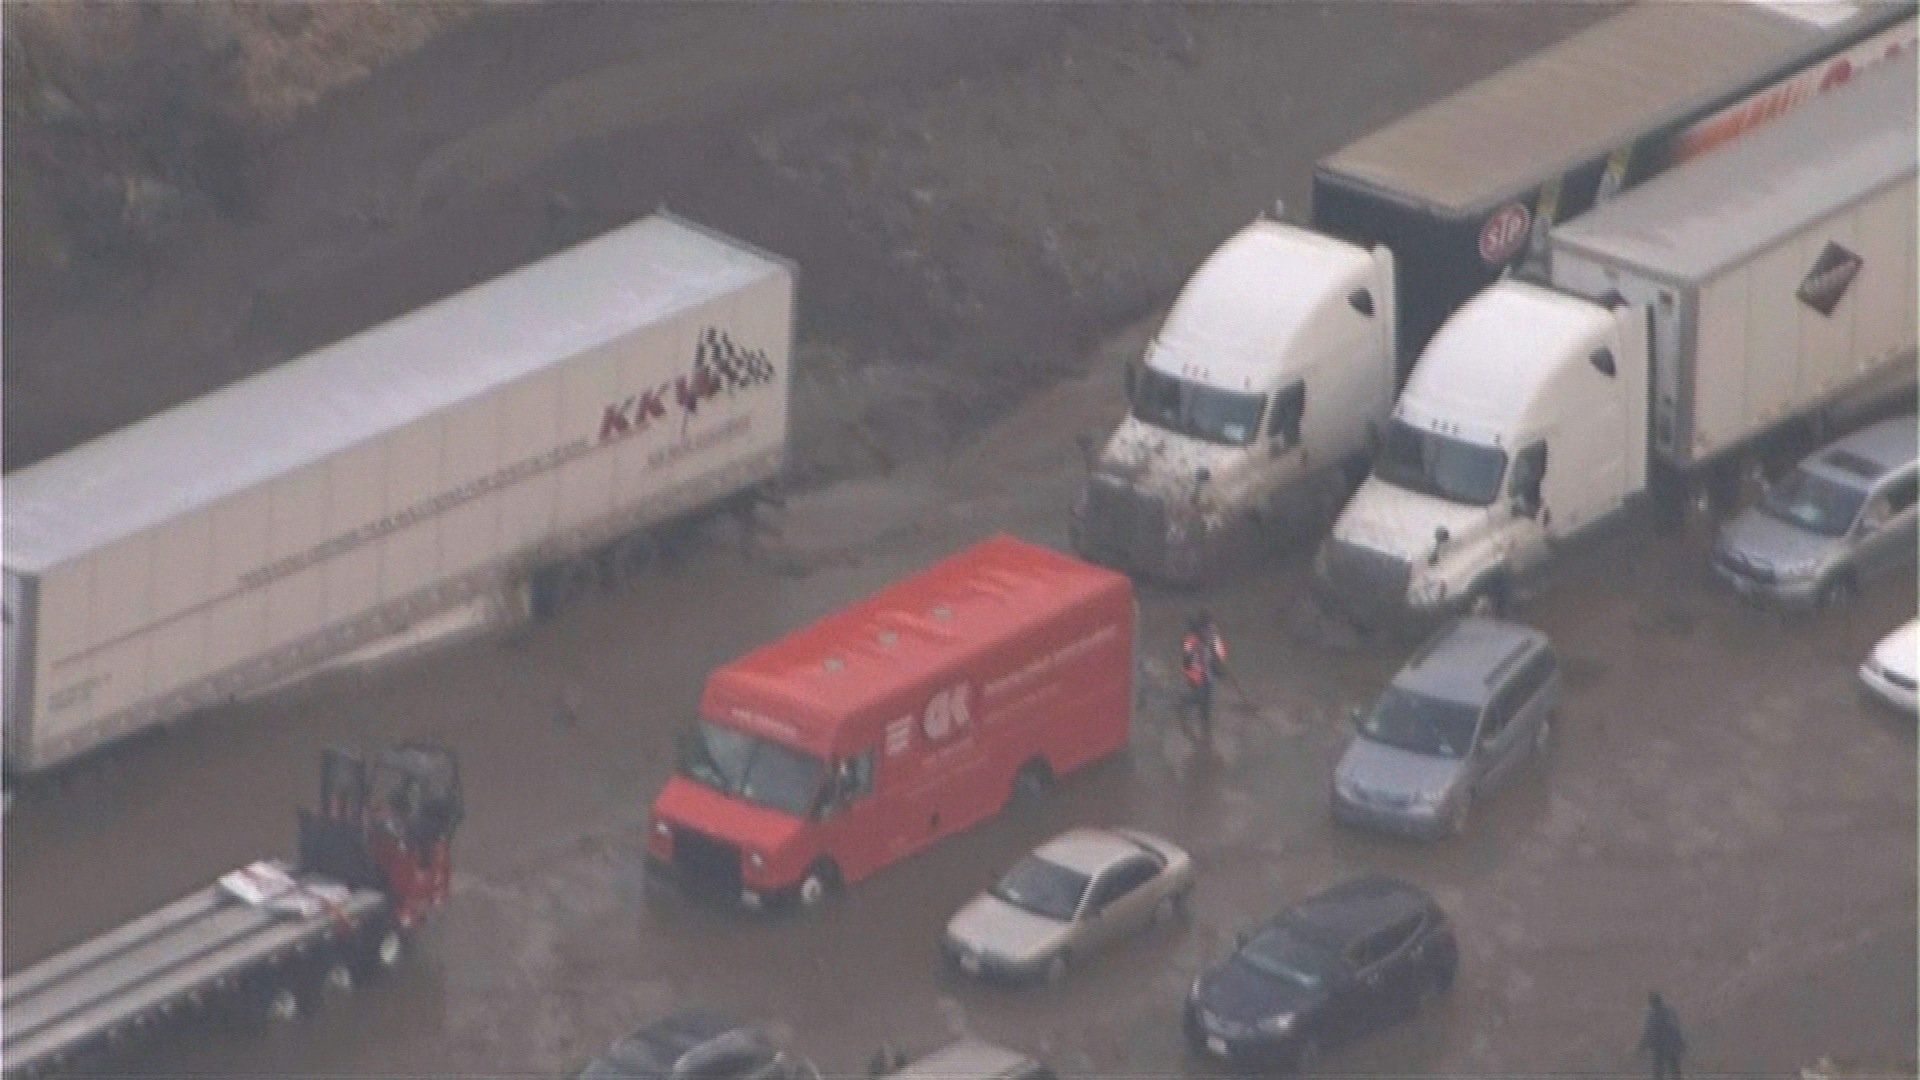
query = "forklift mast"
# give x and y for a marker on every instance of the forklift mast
(387, 821)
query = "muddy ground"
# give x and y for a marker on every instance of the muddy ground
(988, 205)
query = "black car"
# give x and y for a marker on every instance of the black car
(1357, 957)
(698, 1046)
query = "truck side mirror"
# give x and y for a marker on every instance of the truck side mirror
(1362, 302)
(1602, 360)
(1132, 381)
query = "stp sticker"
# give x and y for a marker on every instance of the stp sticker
(1504, 233)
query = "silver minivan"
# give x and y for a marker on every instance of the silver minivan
(1843, 515)
(1474, 704)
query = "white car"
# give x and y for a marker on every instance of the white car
(1889, 671)
(1077, 892)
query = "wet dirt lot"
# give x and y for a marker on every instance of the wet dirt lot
(1724, 817)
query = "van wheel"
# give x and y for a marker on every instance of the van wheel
(820, 883)
(1057, 966)
(1843, 588)
(1032, 783)
(1462, 815)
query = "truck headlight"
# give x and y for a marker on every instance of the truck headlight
(756, 860)
(1277, 1025)
(1193, 992)
(663, 830)
(1427, 591)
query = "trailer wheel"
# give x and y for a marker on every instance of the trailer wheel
(380, 953)
(282, 1004)
(338, 978)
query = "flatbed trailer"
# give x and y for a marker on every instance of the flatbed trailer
(262, 942)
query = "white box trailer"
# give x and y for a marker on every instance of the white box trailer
(1777, 277)
(407, 482)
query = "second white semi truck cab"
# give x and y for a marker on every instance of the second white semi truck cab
(1692, 328)
(1464, 496)
(1271, 368)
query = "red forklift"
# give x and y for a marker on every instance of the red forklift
(266, 940)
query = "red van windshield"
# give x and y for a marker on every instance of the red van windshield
(751, 768)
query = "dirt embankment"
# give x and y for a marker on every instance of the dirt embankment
(125, 121)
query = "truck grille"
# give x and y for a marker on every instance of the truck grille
(1366, 581)
(705, 863)
(1126, 525)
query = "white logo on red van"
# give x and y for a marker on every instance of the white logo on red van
(947, 714)
(1504, 233)
(899, 736)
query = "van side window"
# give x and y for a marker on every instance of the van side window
(1289, 405)
(1532, 676)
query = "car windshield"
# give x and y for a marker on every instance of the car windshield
(1283, 955)
(1228, 417)
(1043, 888)
(1434, 464)
(1425, 725)
(751, 768)
(1813, 502)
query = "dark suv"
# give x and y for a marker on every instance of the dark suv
(1355, 958)
(698, 1046)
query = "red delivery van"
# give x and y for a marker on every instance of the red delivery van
(904, 718)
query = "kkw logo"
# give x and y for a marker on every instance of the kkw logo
(719, 367)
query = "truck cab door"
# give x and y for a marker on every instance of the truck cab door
(856, 839)
(1526, 503)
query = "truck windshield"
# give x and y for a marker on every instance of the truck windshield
(1439, 465)
(751, 768)
(1425, 725)
(1813, 502)
(1227, 417)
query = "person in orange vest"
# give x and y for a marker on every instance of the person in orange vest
(1203, 658)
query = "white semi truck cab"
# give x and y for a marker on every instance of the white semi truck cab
(1524, 420)
(1271, 368)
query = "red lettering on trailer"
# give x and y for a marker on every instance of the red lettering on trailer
(1504, 233)
(1764, 105)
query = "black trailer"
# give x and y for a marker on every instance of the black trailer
(1465, 188)
(264, 941)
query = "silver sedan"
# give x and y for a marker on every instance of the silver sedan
(1076, 893)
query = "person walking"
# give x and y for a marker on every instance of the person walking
(1661, 1037)
(1203, 659)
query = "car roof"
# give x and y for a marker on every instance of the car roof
(1355, 907)
(662, 1043)
(1089, 850)
(1865, 456)
(1467, 660)
(965, 1059)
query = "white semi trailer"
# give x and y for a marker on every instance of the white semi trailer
(1282, 354)
(1683, 326)
(451, 468)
